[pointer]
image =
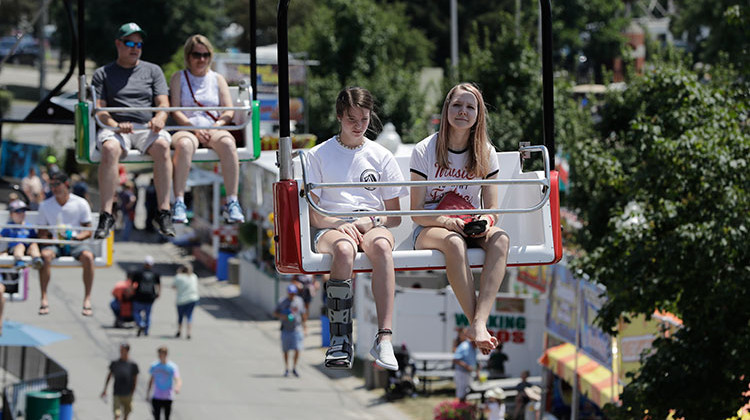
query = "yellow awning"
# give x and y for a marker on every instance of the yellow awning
(595, 381)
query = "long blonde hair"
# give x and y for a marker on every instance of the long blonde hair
(479, 142)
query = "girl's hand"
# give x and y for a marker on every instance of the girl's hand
(203, 136)
(454, 224)
(351, 230)
(363, 224)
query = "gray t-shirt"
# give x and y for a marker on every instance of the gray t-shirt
(293, 309)
(133, 87)
(124, 372)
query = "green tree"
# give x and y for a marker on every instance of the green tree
(361, 43)
(715, 26)
(167, 24)
(507, 70)
(664, 196)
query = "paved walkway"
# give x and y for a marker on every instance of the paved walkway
(232, 368)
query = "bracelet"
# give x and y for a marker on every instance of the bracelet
(492, 221)
(376, 221)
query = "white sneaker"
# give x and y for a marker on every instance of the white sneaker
(383, 354)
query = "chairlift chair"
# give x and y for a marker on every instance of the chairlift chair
(529, 209)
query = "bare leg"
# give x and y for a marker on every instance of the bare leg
(19, 251)
(87, 262)
(453, 247)
(44, 277)
(2, 306)
(378, 246)
(184, 144)
(159, 151)
(296, 358)
(223, 144)
(286, 360)
(495, 245)
(33, 250)
(108, 174)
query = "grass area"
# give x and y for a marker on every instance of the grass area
(422, 406)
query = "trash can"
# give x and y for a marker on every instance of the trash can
(42, 405)
(66, 404)
(222, 265)
(325, 331)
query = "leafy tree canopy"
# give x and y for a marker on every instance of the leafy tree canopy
(664, 194)
(715, 26)
(168, 24)
(361, 43)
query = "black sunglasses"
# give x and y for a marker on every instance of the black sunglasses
(19, 210)
(131, 44)
(198, 55)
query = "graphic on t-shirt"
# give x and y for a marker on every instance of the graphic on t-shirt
(369, 175)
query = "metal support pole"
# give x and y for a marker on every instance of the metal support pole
(284, 156)
(253, 45)
(454, 41)
(547, 82)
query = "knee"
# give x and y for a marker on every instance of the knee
(225, 143)
(48, 256)
(500, 241)
(454, 244)
(344, 251)
(86, 258)
(159, 149)
(110, 151)
(379, 250)
(183, 145)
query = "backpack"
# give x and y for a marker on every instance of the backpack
(146, 286)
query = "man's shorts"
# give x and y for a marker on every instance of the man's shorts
(291, 340)
(122, 405)
(138, 139)
(74, 251)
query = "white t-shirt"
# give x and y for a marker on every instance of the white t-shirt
(424, 163)
(75, 212)
(331, 162)
(206, 91)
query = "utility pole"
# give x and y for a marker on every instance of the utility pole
(454, 41)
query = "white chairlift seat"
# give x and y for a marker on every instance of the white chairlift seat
(102, 248)
(86, 127)
(534, 235)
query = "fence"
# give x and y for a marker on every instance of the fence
(29, 369)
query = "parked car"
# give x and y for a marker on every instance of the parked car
(27, 51)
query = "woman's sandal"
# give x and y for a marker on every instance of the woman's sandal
(87, 311)
(43, 309)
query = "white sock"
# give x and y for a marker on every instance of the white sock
(179, 199)
(231, 198)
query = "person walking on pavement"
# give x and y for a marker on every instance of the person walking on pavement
(147, 289)
(291, 312)
(186, 283)
(165, 380)
(464, 365)
(125, 373)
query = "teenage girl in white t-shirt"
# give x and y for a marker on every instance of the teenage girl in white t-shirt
(351, 157)
(462, 150)
(198, 86)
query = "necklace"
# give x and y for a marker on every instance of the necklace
(338, 139)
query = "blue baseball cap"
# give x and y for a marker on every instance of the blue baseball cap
(292, 289)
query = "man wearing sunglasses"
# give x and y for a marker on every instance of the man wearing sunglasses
(132, 82)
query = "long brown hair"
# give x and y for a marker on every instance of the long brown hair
(479, 142)
(362, 98)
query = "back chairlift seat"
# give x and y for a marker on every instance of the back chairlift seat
(102, 248)
(529, 212)
(86, 123)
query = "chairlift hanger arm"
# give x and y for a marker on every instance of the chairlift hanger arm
(544, 183)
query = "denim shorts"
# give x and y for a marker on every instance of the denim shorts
(291, 340)
(317, 233)
(73, 250)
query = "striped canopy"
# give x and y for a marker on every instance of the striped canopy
(595, 381)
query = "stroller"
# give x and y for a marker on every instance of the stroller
(403, 382)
